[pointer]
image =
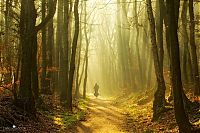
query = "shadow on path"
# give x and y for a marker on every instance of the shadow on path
(103, 118)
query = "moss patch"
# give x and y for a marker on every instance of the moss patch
(64, 119)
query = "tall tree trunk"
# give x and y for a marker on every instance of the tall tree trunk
(119, 43)
(159, 31)
(65, 53)
(167, 33)
(180, 115)
(86, 53)
(159, 96)
(126, 41)
(59, 42)
(193, 49)
(187, 64)
(185, 41)
(77, 93)
(44, 51)
(147, 51)
(73, 56)
(50, 48)
(66, 36)
(28, 89)
(149, 72)
(77, 90)
(1, 30)
(82, 72)
(6, 42)
(123, 44)
(137, 44)
(28, 39)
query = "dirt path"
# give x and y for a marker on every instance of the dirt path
(103, 118)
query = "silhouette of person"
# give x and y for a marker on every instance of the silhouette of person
(96, 89)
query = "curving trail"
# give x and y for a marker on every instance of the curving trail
(103, 118)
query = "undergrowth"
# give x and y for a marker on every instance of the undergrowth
(138, 108)
(50, 116)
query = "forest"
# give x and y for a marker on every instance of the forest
(99, 66)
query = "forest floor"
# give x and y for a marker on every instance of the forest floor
(51, 117)
(129, 113)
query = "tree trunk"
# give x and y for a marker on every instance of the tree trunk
(73, 56)
(28, 89)
(185, 41)
(149, 72)
(82, 72)
(50, 48)
(193, 49)
(65, 54)
(77, 92)
(58, 45)
(137, 45)
(8, 76)
(44, 51)
(86, 54)
(159, 31)
(159, 96)
(28, 39)
(180, 115)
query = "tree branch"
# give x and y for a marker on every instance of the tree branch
(47, 18)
